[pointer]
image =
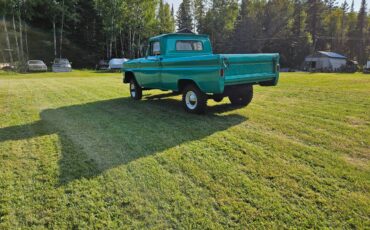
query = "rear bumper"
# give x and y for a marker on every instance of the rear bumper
(258, 78)
(61, 69)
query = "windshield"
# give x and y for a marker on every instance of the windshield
(32, 62)
(189, 45)
(61, 61)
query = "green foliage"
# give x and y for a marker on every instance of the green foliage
(120, 28)
(184, 16)
(77, 153)
(361, 33)
(199, 15)
(166, 22)
(220, 22)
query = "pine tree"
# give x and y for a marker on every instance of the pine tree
(199, 15)
(184, 16)
(165, 20)
(343, 25)
(299, 42)
(351, 34)
(313, 20)
(361, 32)
(241, 35)
(161, 17)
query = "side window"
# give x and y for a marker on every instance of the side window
(155, 49)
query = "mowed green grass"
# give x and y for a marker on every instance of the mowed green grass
(76, 152)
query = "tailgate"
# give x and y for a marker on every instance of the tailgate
(250, 68)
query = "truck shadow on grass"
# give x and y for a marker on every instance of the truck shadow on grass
(101, 135)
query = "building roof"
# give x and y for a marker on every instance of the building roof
(332, 55)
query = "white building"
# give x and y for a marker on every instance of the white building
(324, 61)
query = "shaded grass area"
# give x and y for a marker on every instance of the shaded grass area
(76, 152)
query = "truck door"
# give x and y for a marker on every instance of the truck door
(151, 72)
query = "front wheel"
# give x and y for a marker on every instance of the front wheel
(242, 97)
(194, 100)
(135, 90)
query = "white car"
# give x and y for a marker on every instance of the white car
(116, 63)
(367, 67)
(36, 65)
(61, 65)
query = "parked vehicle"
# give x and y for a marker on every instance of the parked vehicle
(61, 65)
(350, 67)
(36, 65)
(116, 63)
(102, 65)
(7, 67)
(367, 67)
(184, 63)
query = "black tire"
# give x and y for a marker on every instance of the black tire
(194, 100)
(136, 92)
(218, 98)
(242, 97)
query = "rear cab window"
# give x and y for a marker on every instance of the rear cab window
(189, 45)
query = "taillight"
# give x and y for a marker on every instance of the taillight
(222, 72)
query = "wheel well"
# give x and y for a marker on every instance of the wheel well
(128, 77)
(183, 83)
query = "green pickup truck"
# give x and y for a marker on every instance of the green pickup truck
(184, 63)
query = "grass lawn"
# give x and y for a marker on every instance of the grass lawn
(76, 152)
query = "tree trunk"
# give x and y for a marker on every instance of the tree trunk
(133, 43)
(122, 46)
(110, 46)
(26, 39)
(130, 43)
(61, 32)
(139, 46)
(115, 46)
(16, 38)
(20, 37)
(107, 47)
(7, 40)
(342, 30)
(2, 55)
(55, 38)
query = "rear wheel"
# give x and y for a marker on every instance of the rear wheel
(194, 100)
(242, 96)
(135, 90)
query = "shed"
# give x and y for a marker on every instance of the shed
(325, 61)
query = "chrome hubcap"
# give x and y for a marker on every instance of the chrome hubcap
(191, 100)
(132, 90)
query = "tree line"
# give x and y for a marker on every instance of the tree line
(294, 28)
(103, 29)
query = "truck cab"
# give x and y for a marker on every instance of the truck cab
(185, 63)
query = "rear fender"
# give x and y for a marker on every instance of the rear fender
(128, 77)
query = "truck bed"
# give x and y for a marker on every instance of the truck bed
(250, 68)
(205, 70)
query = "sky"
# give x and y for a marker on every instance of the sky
(176, 3)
